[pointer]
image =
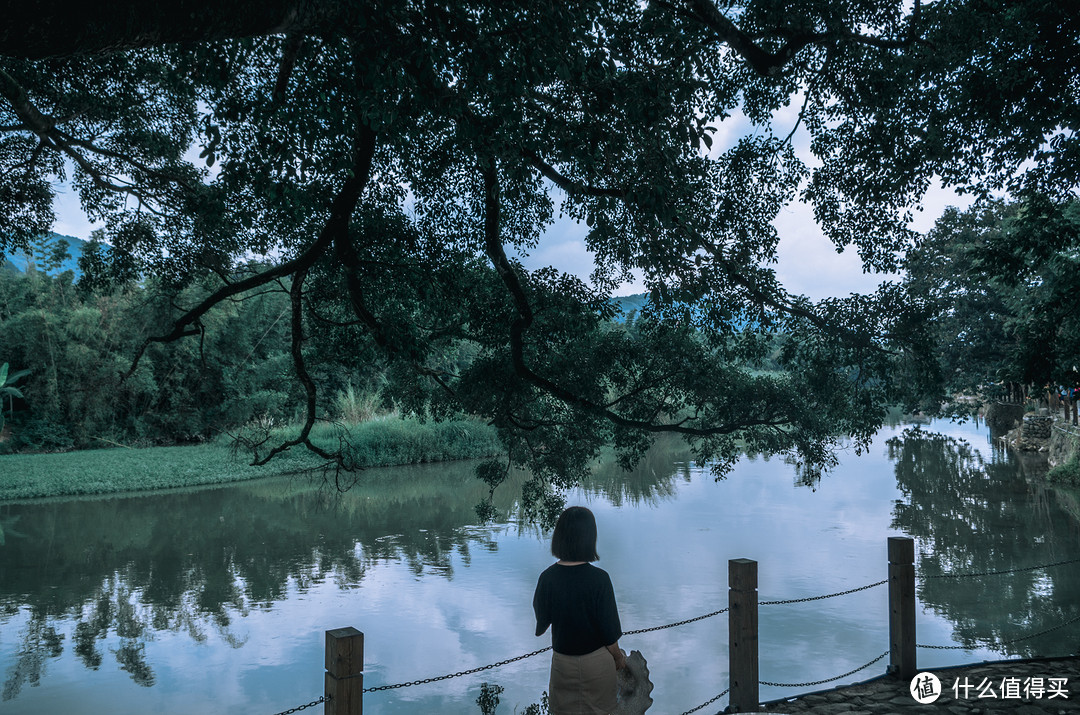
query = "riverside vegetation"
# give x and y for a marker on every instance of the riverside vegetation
(77, 340)
(382, 442)
(1067, 473)
(229, 388)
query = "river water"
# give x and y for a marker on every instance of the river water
(216, 600)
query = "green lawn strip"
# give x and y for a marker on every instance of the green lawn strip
(106, 471)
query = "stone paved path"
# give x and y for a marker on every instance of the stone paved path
(891, 697)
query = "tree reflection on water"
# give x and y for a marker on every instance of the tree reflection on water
(973, 515)
(191, 562)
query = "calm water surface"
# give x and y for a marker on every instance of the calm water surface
(216, 600)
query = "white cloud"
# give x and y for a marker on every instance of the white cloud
(809, 264)
(71, 220)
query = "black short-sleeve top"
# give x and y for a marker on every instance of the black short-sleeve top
(578, 602)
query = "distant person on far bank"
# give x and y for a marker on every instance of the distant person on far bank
(577, 600)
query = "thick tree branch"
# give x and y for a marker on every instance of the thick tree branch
(25, 110)
(569, 185)
(354, 290)
(337, 225)
(764, 63)
(297, 351)
(67, 141)
(44, 127)
(346, 255)
(497, 255)
(293, 43)
(767, 63)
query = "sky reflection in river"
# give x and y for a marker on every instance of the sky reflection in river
(216, 600)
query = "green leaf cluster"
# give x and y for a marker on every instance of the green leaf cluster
(78, 347)
(1003, 278)
(8, 389)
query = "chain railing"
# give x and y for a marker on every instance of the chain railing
(807, 599)
(826, 680)
(822, 598)
(998, 573)
(1008, 642)
(456, 675)
(794, 685)
(298, 708)
(678, 623)
(724, 692)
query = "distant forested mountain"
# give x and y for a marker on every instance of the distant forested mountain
(40, 254)
(628, 303)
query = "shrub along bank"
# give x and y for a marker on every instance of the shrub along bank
(382, 442)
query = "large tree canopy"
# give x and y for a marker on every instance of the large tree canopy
(1006, 278)
(396, 155)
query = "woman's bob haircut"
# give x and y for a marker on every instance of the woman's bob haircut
(574, 538)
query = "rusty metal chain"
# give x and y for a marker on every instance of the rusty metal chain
(679, 623)
(819, 598)
(708, 702)
(1013, 640)
(298, 708)
(456, 675)
(996, 573)
(827, 680)
(760, 603)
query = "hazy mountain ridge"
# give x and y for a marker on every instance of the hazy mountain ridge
(628, 303)
(21, 261)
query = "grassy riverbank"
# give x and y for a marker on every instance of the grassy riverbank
(382, 442)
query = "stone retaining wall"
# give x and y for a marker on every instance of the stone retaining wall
(1037, 427)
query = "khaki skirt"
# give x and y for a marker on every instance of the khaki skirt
(582, 684)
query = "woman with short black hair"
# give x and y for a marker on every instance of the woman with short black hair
(577, 600)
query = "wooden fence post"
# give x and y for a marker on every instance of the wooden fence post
(743, 635)
(902, 607)
(344, 672)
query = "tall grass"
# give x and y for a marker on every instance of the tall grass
(355, 406)
(395, 440)
(382, 442)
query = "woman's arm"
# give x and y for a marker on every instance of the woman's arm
(618, 655)
(540, 608)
